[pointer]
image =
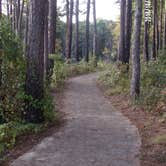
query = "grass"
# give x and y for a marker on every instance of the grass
(9, 132)
(161, 139)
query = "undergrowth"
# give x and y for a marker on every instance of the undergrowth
(63, 70)
(9, 132)
(153, 85)
(10, 127)
(116, 80)
(12, 93)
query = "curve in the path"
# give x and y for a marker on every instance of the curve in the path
(95, 134)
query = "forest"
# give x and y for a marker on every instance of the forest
(60, 65)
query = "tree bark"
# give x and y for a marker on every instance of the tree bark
(52, 25)
(35, 61)
(7, 7)
(0, 45)
(14, 15)
(165, 29)
(154, 40)
(77, 31)
(128, 30)
(135, 81)
(161, 23)
(146, 41)
(26, 29)
(158, 34)
(46, 68)
(11, 13)
(87, 32)
(121, 52)
(69, 31)
(146, 31)
(0, 8)
(95, 33)
(17, 15)
(20, 18)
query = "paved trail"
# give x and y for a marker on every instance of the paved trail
(95, 134)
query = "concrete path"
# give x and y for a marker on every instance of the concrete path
(95, 134)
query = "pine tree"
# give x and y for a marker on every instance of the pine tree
(35, 61)
(135, 81)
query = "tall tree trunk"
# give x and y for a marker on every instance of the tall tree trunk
(46, 40)
(77, 31)
(18, 4)
(20, 17)
(69, 31)
(95, 33)
(158, 34)
(135, 81)
(128, 29)
(14, 15)
(161, 23)
(26, 29)
(87, 32)
(165, 28)
(154, 47)
(52, 25)
(0, 45)
(121, 52)
(35, 61)
(11, 12)
(147, 21)
(146, 41)
(71, 26)
(7, 7)
(0, 8)
(157, 27)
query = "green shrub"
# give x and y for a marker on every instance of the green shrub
(154, 74)
(63, 69)
(9, 132)
(12, 74)
(48, 107)
(12, 95)
(153, 82)
(59, 71)
(115, 76)
(80, 68)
